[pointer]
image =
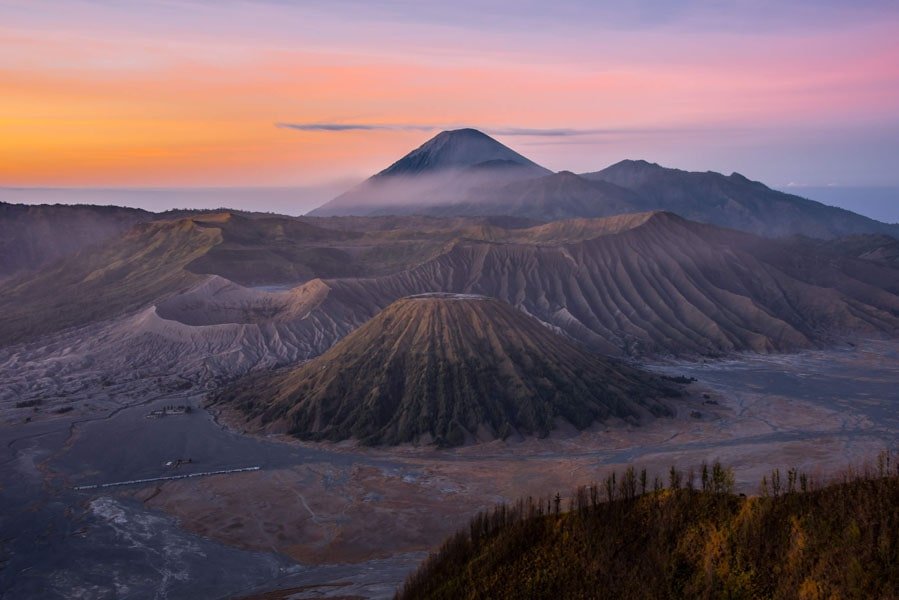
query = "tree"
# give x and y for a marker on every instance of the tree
(674, 478)
(629, 484)
(610, 487)
(722, 479)
(775, 482)
(791, 480)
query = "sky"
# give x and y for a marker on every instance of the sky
(274, 93)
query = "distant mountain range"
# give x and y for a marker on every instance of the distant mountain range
(449, 165)
(465, 172)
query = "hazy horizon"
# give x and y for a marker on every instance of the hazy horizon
(285, 200)
(876, 202)
(172, 93)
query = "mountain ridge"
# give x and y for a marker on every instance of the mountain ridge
(736, 201)
(661, 285)
(640, 284)
(36, 235)
(456, 148)
(530, 191)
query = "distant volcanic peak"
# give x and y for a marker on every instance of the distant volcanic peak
(444, 170)
(448, 369)
(458, 149)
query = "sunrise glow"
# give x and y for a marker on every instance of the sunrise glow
(114, 94)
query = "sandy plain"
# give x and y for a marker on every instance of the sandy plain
(336, 520)
(818, 411)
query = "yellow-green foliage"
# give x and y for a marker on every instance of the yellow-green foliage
(840, 541)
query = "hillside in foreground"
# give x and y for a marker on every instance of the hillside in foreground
(840, 541)
(448, 369)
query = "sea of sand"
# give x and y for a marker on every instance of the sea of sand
(337, 520)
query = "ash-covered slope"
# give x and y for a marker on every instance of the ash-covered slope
(642, 284)
(447, 369)
(443, 170)
(655, 284)
(35, 236)
(153, 260)
(736, 202)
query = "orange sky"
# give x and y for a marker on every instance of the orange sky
(129, 102)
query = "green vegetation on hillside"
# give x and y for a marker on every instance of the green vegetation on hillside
(635, 538)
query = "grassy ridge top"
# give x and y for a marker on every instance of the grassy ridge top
(98, 283)
(839, 541)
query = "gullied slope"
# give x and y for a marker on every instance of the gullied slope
(656, 284)
(447, 369)
(841, 541)
(649, 283)
(212, 332)
(156, 259)
(35, 236)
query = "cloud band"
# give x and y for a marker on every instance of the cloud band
(505, 131)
